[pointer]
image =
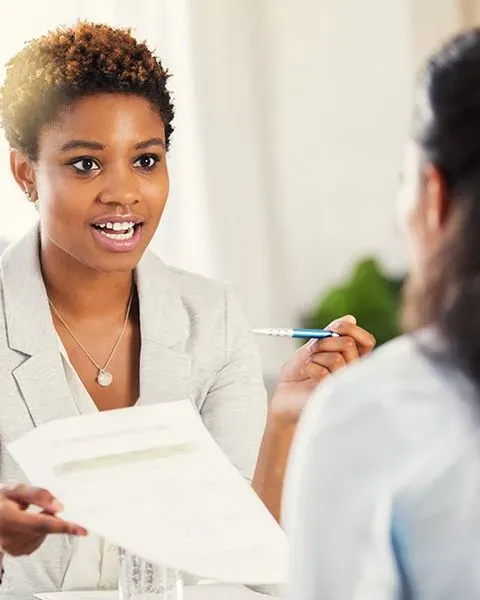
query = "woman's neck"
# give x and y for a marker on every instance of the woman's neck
(77, 290)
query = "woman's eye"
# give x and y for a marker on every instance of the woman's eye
(147, 161)
(85, 165)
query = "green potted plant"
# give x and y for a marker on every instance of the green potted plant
(368, 294)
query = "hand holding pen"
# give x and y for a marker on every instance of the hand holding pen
(342, 342)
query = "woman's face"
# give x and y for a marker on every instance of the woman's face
(423, 211)
(101, 180)
(421, 204)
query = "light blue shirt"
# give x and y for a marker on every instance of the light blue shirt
(382, 497)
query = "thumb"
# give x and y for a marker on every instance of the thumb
(346, 319)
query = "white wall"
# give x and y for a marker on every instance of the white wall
(469, 12)
(341, 76)
(433, 21)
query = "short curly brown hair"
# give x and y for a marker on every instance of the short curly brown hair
(57, 69)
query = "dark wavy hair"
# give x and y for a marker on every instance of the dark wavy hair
(57, 69)
(447, 130)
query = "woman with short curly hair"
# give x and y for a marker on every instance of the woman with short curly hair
(91, 320)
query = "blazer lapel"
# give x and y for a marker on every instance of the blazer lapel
(42, 382)
(165, 365)
(30, 331)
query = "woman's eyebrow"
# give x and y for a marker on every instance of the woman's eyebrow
(155, 141)
(74, 144)
(92, 145)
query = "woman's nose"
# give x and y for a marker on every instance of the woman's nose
(121, 189)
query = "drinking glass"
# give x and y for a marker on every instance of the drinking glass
(140, 579)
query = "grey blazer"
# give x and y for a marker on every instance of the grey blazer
(194, 343)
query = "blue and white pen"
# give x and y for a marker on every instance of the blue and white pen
(310, 334)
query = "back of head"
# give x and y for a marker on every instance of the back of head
(447, 130)
(53, 71)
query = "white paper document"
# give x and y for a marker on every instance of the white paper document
(152, 479)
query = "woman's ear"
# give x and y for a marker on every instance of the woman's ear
(437, 203)
(24, 173)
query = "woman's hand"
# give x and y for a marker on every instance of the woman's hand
(23, 531)
(312, 363)
(298, 379)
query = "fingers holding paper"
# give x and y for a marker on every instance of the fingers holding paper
(22, 531)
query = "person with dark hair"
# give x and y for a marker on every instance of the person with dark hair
(383, 490)
(91, 320)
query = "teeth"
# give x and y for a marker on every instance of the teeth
(125, 226)
(119, 236)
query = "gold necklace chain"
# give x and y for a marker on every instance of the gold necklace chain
(104, 377)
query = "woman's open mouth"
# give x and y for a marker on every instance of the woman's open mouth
(118, 236)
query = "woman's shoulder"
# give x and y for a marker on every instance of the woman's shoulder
(405, 389)
(208, 300)
(9, 358)
(2, 303)
(157, 273)
(200, 307)
(189, 283)
(198, 293)
(410, 364)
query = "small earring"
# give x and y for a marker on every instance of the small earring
(35, 203)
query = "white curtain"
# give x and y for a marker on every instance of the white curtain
(291, 117)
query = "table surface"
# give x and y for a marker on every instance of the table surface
(196, 592)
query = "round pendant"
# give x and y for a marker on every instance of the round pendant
(104, 378)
